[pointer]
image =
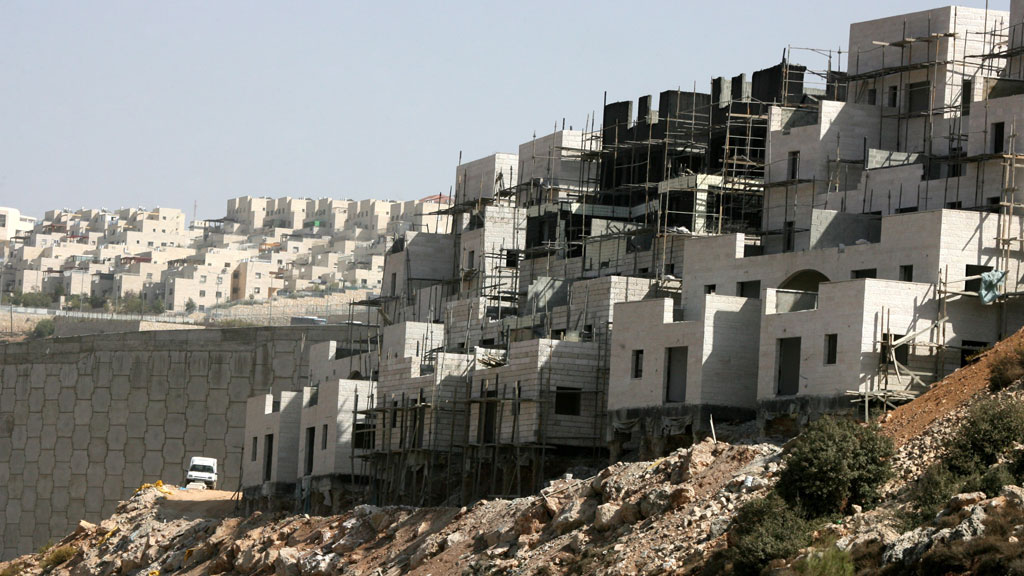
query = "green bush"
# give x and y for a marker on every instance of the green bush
(833, 464)
(763, 530)
(1005, 368)
(991, 482)
(57, 556)
(43, 329)
(934, 488)
(831, 562)
(1016, 466)
(32, 300)
(991, 428)
(190, 306)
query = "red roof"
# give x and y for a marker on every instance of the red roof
(437, 199)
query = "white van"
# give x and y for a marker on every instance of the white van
(203, 470)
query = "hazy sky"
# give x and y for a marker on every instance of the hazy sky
(111, 104)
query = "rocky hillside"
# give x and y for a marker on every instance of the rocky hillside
(646, 518)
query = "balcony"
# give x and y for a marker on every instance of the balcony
(795, 301)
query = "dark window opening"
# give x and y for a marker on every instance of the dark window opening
(638, 363)
(794, 165)
(906, 273)
(864, 273)
(511, 260)
(310, 444)
(906, 210)
(872, 96)
(268, 457)
(568, 400)
(363, 436)
(974, 270)
(323, 438)
(749, 289)
(998, 137)
(831, 348)
(893, 96)
(918, 96)
(902, 352)
(954, 205)
(252, 457)
(969, 351)
(709, 288)
(488, 417)
(966, 97)
(788, 236)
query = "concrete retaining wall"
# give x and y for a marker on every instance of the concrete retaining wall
(86, 420)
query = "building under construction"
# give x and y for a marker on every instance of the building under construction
(829, 236)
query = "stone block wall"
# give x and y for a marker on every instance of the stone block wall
(85, 420)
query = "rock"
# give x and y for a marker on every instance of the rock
(629, 513)
(719, 525)
(970, 527)
(454, 539)
(578, 512)
(533, 518)
(909, 547)
(684, 495)
(654, 502)
(1013, 495)
(882, 533)
(364, 510)
(318, 564)
(856, 509)
(431, 546)
(287, 562)
(380, 520)
(245, 559)
(607, 517)
(964, 500)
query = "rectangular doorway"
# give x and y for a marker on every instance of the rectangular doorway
(310, 444)
(268, 457)
(788, 362)
(675, 374)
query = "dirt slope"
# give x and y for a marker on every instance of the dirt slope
(953, 392)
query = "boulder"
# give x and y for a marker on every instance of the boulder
(287, 562)
(909, 547)
(964, 500)
(579, 511)
(607, 517)
(1013, 494)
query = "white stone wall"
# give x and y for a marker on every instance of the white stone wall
(261, 419)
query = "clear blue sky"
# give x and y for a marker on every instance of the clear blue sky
(111, 104)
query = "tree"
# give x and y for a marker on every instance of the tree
(97, 302)
(157, 307)
(132, 304)
(833, 464)
(190, 306)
